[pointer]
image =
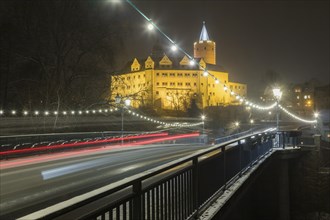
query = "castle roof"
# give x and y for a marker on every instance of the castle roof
(175, 64)
(204, 36)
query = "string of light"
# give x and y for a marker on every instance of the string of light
(93, 112)
(295, 116)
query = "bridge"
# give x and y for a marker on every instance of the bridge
(158, 180)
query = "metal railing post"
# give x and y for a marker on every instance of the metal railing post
(223, 150)
(240, 158)
(195, 186)
(137, 204)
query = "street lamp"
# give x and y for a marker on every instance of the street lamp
(251, 123)
(203, 118)
(237, 126)
(125, 104)
(277, 94)
(316, 116)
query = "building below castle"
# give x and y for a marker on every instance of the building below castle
(174, 83)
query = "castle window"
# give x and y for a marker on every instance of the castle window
(213, 93)
(195, 84)
(128, 87)
(123, 78)
(128, 78)
(213, 85)
(164, 74)
(180, 74)
(172, 74)
(172, 83)
(202, 84)
(209, 85)
(187, 74)
(157, 74)
(164, 83)
(194, 74)
(179, 84)
(157, 83)
(231, 87)
(138, 76)
(204, 48)
(157, 93)
(187, 84)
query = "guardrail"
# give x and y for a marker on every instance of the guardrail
(181, 189)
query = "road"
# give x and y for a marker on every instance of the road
(29, 184)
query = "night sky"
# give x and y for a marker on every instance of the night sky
(290, 38)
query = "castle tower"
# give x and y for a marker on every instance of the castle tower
(205, 48)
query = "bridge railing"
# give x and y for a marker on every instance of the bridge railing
(181, 189)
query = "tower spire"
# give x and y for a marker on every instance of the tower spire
(204, 35)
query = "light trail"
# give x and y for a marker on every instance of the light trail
(82, 152)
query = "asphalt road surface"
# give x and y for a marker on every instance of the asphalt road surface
(29, 184)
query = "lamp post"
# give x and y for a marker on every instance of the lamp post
(203, 118)
(127, 102)
(316, 116)
(251, 123)
(237, 126)
(277, 94)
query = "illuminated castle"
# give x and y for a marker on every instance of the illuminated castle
(165, 82)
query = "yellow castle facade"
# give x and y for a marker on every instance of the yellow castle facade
(173, 83)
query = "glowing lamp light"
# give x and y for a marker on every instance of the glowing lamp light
(127, 102)
(72, 112)
(55, 113)
(150, 26)
(251, 121)
(203, 117)
(87, 112)
(64, 113)
(225, 88)
(192, 62)
(36, 112)
(46, 113)
(205, 73)
(1, 112)
(232, 93)
(25, 113)
(277, 93)
(174, 47)
(93, 111)
(237, 97)
(13, 112)
(217, 81)
(316, 115)
(236, 123)
(80, 112)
